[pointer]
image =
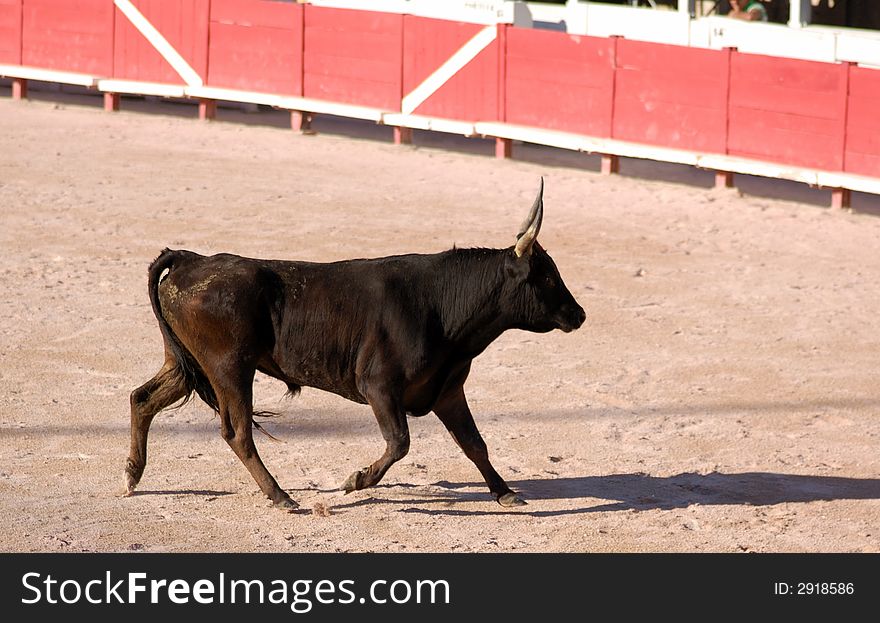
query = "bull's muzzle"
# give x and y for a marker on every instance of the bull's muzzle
(572, 318)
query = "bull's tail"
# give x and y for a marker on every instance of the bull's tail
(193, 375)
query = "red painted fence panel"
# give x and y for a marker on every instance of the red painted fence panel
(183, 23)
(256, 45)
(353, 57)
(10, 32)
(787, 111)
(795, 112)
(75, 35)
(472, 94)
(559, 81)
(863, 122)
(671, 95)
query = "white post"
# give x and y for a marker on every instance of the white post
(799, 13)
(687, 6)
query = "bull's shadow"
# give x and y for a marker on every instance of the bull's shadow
(645, 492)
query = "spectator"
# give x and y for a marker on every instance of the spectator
(749, 10)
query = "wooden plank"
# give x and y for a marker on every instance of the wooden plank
(329, 108)
(584, 110)
(427, 44)
(785, 72)
(705, 92)
(750, 166)
(355, 43)
(347, 90)
(234, 95)
(663, 95)
(503, 148)
(657, 58)
(421, 122)
(47, 75)
(716, 162)
(576, 98)
(141, 88)
(353, 57)
(10, 31)
(610, 164)
(864, 82)
(182, 23)
(788, 111)
(841, 198)
(806, 88)
(258, 13)
(470, 94)
(19, 89)
(379, 70)
(676, 125)
(590, 144)
(187, 30)
(862, 147)
(756, 95)
(300, 121)
(111, 102)
(207, 109)
(863, 163)
(402, 136)
(723, 179)
(799, 148)
(576, 60)
(863, 112)
(346, 20)
(74, 36)
(258, 58)
(858, 183)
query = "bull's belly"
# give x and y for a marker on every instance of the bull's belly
(418, 396)
(340, 388)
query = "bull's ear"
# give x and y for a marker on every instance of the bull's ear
(528, 231)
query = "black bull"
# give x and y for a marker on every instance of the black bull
(398, 333)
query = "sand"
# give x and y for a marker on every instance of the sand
(722, 395)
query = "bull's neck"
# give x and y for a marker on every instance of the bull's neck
(470, 298)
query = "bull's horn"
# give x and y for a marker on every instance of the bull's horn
(528, 231)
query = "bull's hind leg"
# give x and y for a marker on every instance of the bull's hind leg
(453, 411)
(392, 423)
(235, 399)
(161, 391)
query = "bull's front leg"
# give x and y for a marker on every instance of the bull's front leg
(392, 423)
(453, 411)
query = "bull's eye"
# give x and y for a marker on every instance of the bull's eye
(550, 282)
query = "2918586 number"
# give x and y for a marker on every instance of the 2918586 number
(825, 588)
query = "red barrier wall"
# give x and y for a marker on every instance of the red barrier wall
(787, 111)
(10, 32)
(353, 57)
(559, 81)
(470, 95)
(183, 23)
(794, 112)
(863, 122)
(256, 45)
(671, 95)
(75, 35)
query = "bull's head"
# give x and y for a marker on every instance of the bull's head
(534, 287)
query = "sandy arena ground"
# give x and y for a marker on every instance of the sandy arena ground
(722, 396)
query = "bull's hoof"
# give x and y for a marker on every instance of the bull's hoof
(130, 478)
(354, 482)
(510, 500)
(128, 484)
(286, 505)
